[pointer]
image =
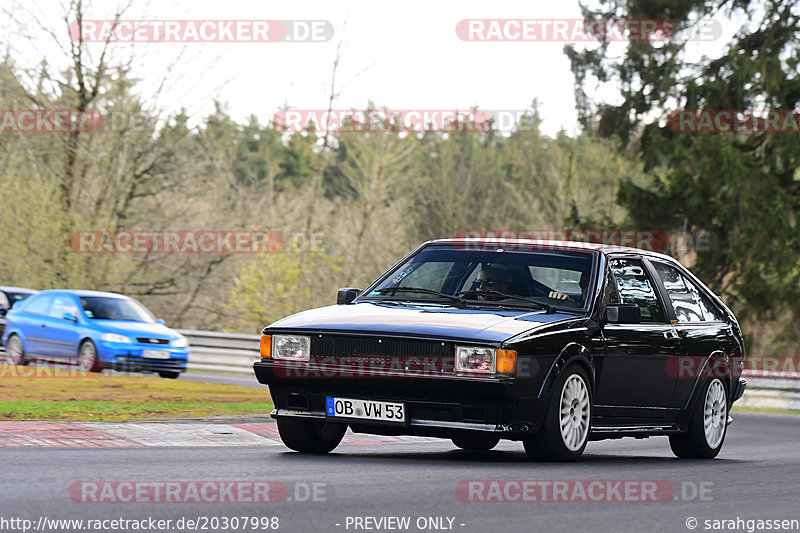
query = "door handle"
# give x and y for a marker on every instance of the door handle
(44, 326)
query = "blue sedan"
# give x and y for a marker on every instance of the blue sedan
(96, 330)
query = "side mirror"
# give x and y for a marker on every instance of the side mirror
(622, 314)
(70, 316)
(160, 321)
(346, 295)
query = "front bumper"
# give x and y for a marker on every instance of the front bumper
(439, 406)
(131, 357)
(738, 389)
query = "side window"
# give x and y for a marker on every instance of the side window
(634, 287)
(690, 304)
(38, 304)
(62, 304)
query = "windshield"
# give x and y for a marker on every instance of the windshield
(104, 308)
(518, 277)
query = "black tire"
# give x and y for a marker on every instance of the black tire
(87, 357)
(168, 374)
(310, 436)
(550, 444)
(695, 443)
(15, 352)
(476, 442)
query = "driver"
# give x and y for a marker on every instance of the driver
(491, 279)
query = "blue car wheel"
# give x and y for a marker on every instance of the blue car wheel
(87, 357)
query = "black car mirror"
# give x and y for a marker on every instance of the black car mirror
(346, 295)
(70, 316)
(622, 314)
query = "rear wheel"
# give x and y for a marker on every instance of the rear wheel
(15, 353)
(707, 426)
(310, 436)
(567, 421)
(87, 357)
(476, 443)
(169, 374)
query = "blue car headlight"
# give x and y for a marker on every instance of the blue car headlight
(114, 337)
(180, 342)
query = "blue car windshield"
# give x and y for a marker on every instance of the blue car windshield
(103, 308)
(548, 276)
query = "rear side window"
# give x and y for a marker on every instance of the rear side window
(62, 304)
(634, 287)
(38, 304)
(690, 304)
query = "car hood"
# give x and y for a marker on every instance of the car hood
(490, 325)
(130, 328)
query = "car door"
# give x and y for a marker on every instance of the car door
(701, 326)
(30, 320)
(62, 334)
(633, 385)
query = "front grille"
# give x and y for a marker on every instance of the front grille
(149, 340)
(355, 346)
(368, 356)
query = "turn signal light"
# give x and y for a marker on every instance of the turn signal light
(506, 361)
(265, 347)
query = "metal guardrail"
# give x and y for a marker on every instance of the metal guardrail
(214, 351)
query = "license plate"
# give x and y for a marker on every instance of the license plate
(365, 409)
(156, 354)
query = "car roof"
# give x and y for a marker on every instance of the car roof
(570, 246)
(19, 289)
(82, 292)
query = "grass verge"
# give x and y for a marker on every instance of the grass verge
(93, 397)
(763, 410)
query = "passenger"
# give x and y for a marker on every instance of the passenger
(584, 285)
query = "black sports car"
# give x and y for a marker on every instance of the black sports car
(549, 343)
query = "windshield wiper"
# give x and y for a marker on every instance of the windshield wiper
(550, 309)
(395, 290)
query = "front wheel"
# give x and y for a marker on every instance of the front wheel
(87, 357)
(168, 374)
(707, 426)
(310, 436)
(565, 431)
(476, 443)
(15, 353)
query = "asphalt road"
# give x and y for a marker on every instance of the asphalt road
(756, 477)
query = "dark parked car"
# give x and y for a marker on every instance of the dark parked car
(8, 297)
(549, 343)
(94, 330)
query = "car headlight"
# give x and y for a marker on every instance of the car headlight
(474, 359)
(485, 360)
(292, 347)
(180, 342)
(113, 337)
